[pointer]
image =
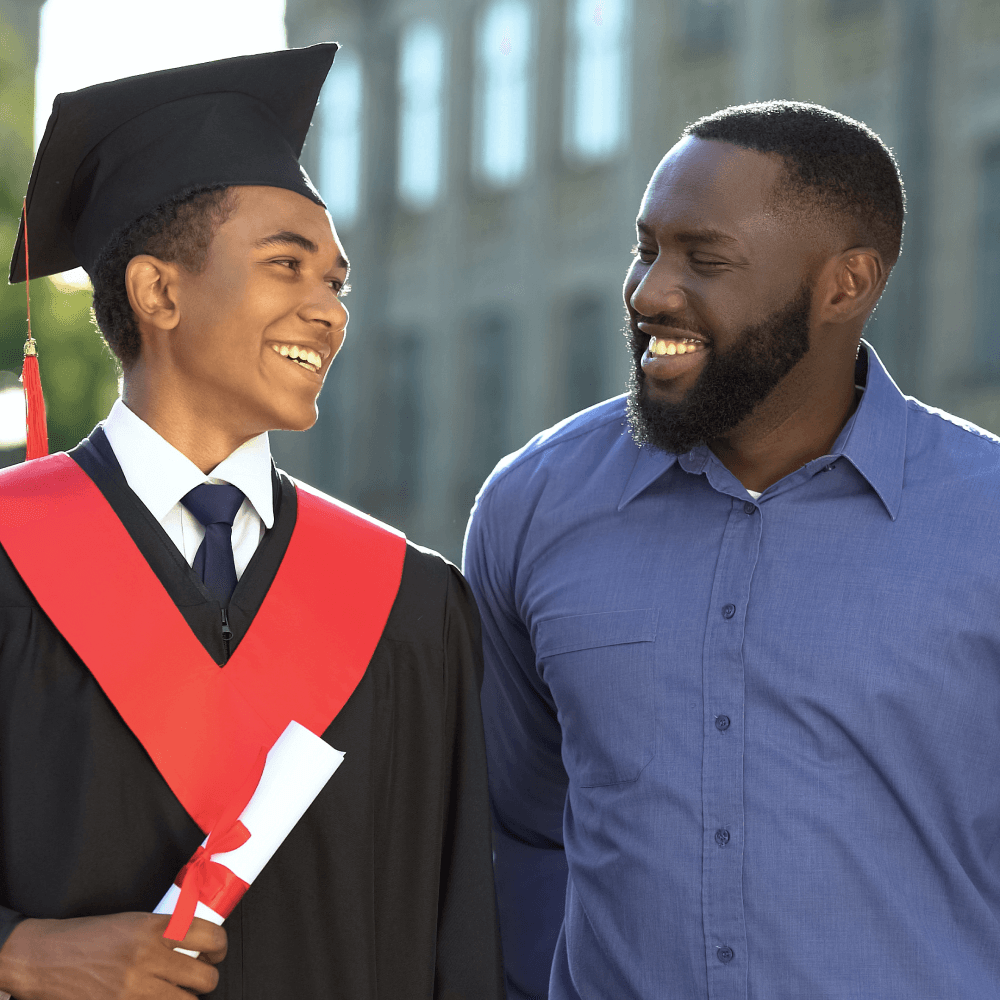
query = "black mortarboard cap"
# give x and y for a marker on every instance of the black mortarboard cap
(115, 151)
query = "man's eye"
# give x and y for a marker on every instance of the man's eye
(700, 262)
(342, 291)
(645, 254)
(289, 262)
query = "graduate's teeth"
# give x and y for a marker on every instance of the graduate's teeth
(306, 357)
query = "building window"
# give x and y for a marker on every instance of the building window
(708, 26)
(406, 433)
(502, 123)
(340, 139)
(988, 265)
(393, 491)
(421, 114)
(586, 335)
(838, 10)
(491, 382)
(597, 74)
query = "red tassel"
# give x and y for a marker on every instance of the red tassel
(31, 379)
(38, 435)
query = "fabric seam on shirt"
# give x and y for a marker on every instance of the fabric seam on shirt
(531, 449)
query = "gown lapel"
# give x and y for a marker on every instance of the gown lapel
(313, 635)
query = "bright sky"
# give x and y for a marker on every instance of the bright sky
(82, 42)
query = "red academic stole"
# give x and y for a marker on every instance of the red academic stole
(204, 727)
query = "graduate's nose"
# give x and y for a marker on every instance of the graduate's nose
(325, 311)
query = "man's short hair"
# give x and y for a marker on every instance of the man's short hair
(180, 231)
(833, 161)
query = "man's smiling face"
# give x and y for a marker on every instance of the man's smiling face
(270, 290)
(718, 296)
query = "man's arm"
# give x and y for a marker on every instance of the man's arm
(117, 957)
(527, 778)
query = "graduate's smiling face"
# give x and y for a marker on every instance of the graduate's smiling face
(260, 324)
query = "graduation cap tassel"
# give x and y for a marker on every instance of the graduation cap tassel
(31, 379)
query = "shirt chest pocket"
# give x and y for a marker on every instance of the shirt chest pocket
(600, 669)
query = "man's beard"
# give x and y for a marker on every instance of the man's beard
(730, 386)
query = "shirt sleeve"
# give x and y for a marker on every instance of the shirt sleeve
(527, 779)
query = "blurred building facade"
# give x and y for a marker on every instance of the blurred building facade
(484, 161)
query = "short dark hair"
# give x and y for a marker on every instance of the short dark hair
(180, 231)
(832, 160)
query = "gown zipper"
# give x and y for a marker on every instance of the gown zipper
(227, 632)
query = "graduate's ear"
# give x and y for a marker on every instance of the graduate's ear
(152, 292)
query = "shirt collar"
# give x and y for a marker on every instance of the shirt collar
(873, 441)
(160, 475)
(876, 444)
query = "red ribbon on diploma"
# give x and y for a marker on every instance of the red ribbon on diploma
(203, 879)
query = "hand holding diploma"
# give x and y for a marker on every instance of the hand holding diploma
(122, 956)
(129, 955)
(296, 769)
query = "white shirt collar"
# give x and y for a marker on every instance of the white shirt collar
(160, 475)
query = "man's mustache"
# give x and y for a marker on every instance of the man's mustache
(666, 320)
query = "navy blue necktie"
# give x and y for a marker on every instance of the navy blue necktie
(215, 507)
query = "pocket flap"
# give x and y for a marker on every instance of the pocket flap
(605, 628)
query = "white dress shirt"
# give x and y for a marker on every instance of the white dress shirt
(160, 475)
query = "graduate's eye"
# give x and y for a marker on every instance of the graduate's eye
(342, 290)
(292, 263)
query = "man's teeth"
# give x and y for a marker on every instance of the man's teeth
(303, 355)
(685, 345)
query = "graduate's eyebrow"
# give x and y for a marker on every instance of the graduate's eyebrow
(287, 238)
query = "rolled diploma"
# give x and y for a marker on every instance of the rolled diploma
(298, 767)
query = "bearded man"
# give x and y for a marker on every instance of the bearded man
(740, 625)
(170, 602)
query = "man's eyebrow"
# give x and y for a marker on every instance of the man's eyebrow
(287, 238)
(706, 236)
(709, 236)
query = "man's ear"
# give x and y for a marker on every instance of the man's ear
(855, 279)
(152, 292)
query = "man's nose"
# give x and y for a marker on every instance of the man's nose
(658, 293)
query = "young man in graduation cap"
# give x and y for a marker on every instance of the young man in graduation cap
(217, 283)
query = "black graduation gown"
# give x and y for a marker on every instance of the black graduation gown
(385, 887)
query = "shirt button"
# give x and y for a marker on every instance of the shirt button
(722, 837)
(749, 507)
(728, 610)
(722, 723)
(725, 954)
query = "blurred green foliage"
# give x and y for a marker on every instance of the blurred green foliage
(78, 372)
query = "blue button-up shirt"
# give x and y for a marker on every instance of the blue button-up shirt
(746, 749)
